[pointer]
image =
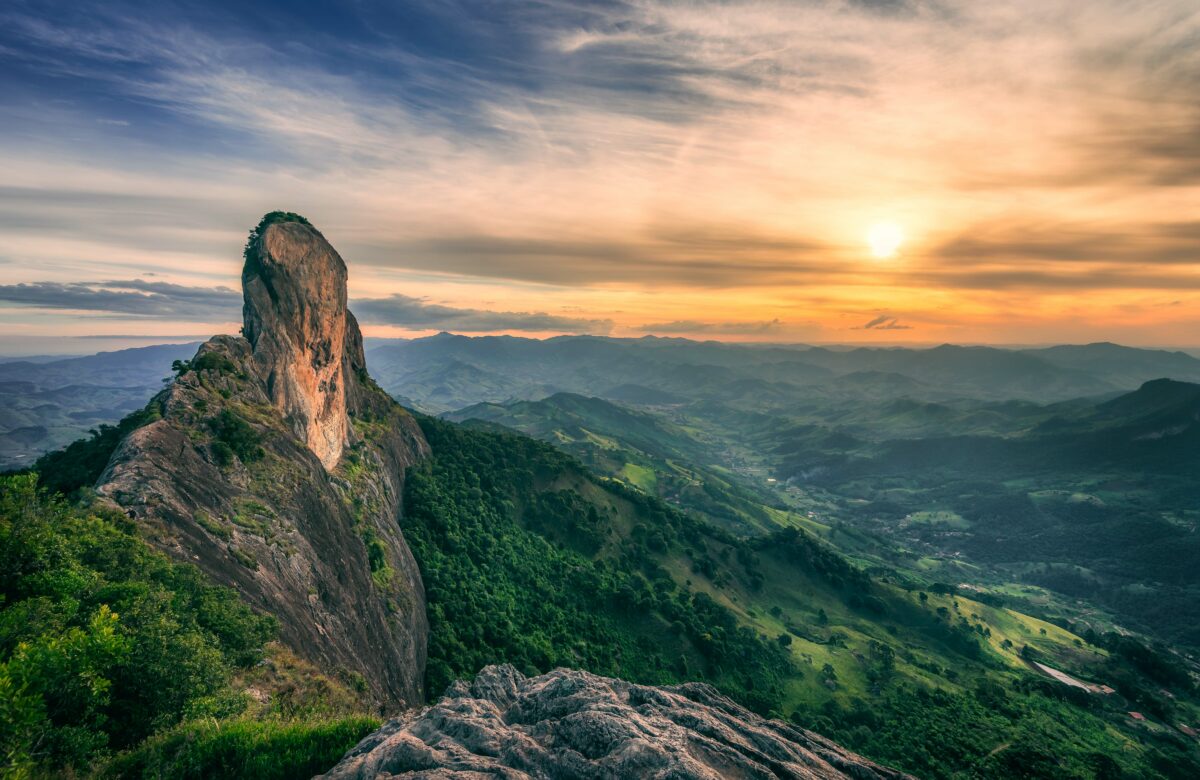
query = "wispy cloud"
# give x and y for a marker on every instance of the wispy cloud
(630, 152)
(714, 328)
(884, 322)
(136, 297)
(162, 300)
(415, 314)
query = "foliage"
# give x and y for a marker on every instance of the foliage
(250, 252)
(524, 562)
(209, 361)
(993, 732)
(102, 640)
(235, 436)
(243, 748)
(80, 464)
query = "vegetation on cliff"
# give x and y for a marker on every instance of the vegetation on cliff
(529, 559)
(108, 646)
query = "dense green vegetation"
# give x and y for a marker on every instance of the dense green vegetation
(80, 464)
(523, 563)
(239, 748)
(105, 643)
(528, 559)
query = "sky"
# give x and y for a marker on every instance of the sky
(858, 171)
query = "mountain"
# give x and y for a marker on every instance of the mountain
(1158, 402)
(445, 371)
(276, 465)
(144, 366)
(666, 460)
(1122, 366)
(49, 403)
(575, 724)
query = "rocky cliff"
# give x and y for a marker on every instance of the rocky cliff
(304, 341)
(276, 465)
(569, 724)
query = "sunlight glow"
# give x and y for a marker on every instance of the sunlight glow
(884, 239)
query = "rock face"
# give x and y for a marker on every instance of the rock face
(569, 724)
(296, 321)
(276, 465)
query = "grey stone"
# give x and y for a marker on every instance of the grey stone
(571, 724)
(288, 526)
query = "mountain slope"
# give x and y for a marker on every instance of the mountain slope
(659, 457)
(276, 465)
(530, 560)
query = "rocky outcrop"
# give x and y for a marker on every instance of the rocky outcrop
(569, 724)
(294, 287)
(276, 465)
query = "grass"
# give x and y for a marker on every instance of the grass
(939, 517)
(243, 748)
(641, 476)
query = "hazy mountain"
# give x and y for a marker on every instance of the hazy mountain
(145, 366)
(47, 404)
(1123, 366)
(432, 371)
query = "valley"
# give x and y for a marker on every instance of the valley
(851, 559)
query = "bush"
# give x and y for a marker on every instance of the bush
(235, 749)
(102, 640)
(237, 437)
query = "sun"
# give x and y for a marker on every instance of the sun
(885, 239)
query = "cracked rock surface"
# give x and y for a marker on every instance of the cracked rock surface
(572, 724)
(276, 465)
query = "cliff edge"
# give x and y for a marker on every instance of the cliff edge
(275, 464)
(570, 724)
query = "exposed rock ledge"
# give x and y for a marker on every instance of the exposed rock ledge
(276, 465)
(571, 724)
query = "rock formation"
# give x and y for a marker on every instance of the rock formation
(294, 285)
(276, 465)
(569, 724)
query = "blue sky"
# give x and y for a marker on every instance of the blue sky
(712, 169)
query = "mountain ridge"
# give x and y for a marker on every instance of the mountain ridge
(275, 464)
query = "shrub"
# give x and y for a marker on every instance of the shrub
(102, 640)
(235, 749)
(237, 437)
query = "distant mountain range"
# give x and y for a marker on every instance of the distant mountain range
(445, 372)
(47, 403)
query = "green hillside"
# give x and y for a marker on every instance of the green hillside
(528, 558)
(671, 461)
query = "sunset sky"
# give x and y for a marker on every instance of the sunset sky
(820, 172)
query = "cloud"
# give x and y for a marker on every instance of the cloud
(415, 314)
(683, 254)
(163, 300)
(1037, 242)
(716, 328)
(884, 322)
(617, 150)
(136, 297)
